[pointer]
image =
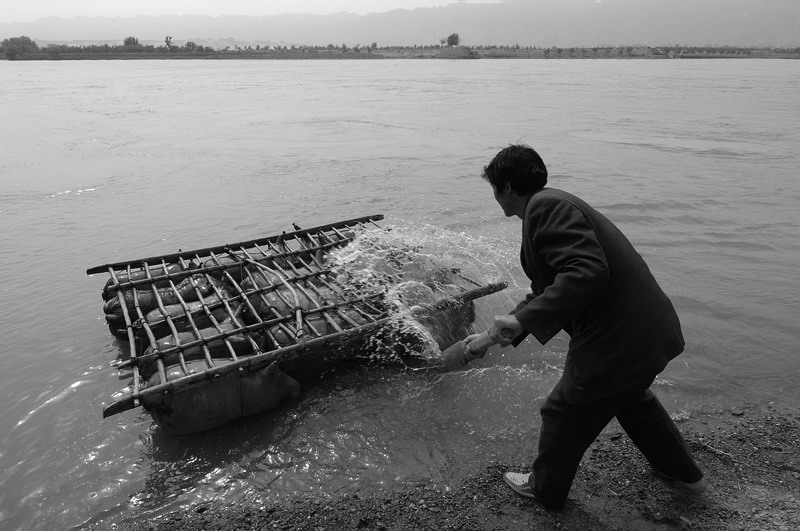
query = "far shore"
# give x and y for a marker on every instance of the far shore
(95, 52)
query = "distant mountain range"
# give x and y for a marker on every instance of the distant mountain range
(541, 23)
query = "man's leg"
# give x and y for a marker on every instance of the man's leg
(567, 431)
(651, 429)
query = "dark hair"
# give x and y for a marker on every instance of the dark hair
(518, 165)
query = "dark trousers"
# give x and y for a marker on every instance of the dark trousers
(568, 430)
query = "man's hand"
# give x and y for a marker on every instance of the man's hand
(503, 331)
(505, 328)
(474, 351)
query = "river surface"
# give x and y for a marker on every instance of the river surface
(104, 161)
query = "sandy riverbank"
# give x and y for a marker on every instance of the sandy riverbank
(750, 456)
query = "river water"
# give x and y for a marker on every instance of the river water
(105, 161)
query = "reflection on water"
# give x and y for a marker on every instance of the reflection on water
(361, 430)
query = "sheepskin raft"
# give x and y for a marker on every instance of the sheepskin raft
(224, 332)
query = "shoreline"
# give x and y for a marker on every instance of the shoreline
(750, 457)
(71, 53)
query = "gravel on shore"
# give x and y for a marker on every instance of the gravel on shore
(751, 457)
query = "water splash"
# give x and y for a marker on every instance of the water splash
(408, 267)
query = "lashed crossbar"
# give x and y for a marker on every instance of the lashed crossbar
(260, 360)
(238, 308)
(335, 228)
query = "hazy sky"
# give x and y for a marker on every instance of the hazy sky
(28, 10)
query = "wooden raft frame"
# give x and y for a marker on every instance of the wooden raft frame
(296, 259)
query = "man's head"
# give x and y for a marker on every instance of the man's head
(519, 166)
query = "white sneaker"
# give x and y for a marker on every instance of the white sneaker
(519, 483)
(696, 487)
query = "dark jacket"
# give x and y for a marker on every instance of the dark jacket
(587, 279)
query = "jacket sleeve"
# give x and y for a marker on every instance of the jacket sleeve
(567, 244)
(530, 296)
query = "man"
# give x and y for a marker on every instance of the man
(587, 279)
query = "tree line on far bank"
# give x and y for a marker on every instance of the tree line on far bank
(18, 47)
(24, 47)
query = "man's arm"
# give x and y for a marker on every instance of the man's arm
(569, 246)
